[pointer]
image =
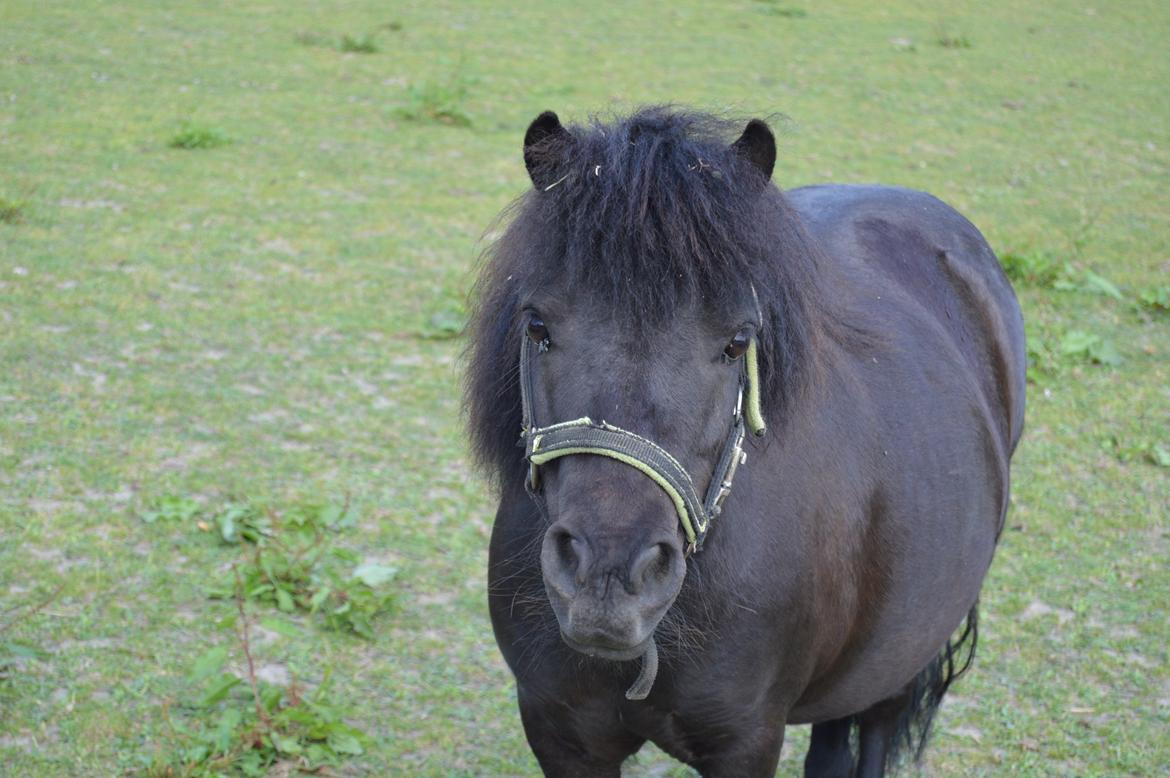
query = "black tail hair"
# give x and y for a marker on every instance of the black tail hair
(927, 690)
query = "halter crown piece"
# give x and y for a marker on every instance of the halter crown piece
(586, 436)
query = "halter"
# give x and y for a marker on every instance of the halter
(586, 436)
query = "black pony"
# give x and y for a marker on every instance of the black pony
(654, 298)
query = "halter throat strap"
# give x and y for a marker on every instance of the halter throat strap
(586, 436)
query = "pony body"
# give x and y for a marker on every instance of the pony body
(858, 533)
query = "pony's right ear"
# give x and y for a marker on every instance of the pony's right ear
(544, 145)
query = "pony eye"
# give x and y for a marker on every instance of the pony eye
(536, 330)
(739, 344)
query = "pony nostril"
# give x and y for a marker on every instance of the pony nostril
(652, 563)
(572, 554)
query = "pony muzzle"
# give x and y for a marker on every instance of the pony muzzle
(609, 592)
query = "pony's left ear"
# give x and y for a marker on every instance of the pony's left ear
(544, 145)
(758, 146)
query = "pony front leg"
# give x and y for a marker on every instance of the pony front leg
(752, 754)
(575, 738)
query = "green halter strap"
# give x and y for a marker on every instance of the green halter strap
(586, 436)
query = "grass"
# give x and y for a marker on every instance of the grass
(197, 136)
(365, 43)
(358, 44)
(770, 8)
(439, 101)
(948, 40)
(1156, 299)
(271, 322)
(11, 211)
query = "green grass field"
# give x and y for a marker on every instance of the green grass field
(235, 240)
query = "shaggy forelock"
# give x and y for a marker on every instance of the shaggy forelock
(648, 213)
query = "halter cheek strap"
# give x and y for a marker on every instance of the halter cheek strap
(586, 436)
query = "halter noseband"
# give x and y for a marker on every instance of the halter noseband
(586, 436)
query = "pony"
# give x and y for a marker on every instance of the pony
(751, 449)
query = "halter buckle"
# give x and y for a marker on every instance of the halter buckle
(738, 457)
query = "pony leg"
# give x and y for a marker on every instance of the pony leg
(754, 757)
(582, 744)
(829, 755)
(878, 729)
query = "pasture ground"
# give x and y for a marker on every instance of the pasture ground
(261, 310)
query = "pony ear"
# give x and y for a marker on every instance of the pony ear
(758, 146)
(543, 146)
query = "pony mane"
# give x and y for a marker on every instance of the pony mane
(650, 213)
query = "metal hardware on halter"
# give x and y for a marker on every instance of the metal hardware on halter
(738, 457)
